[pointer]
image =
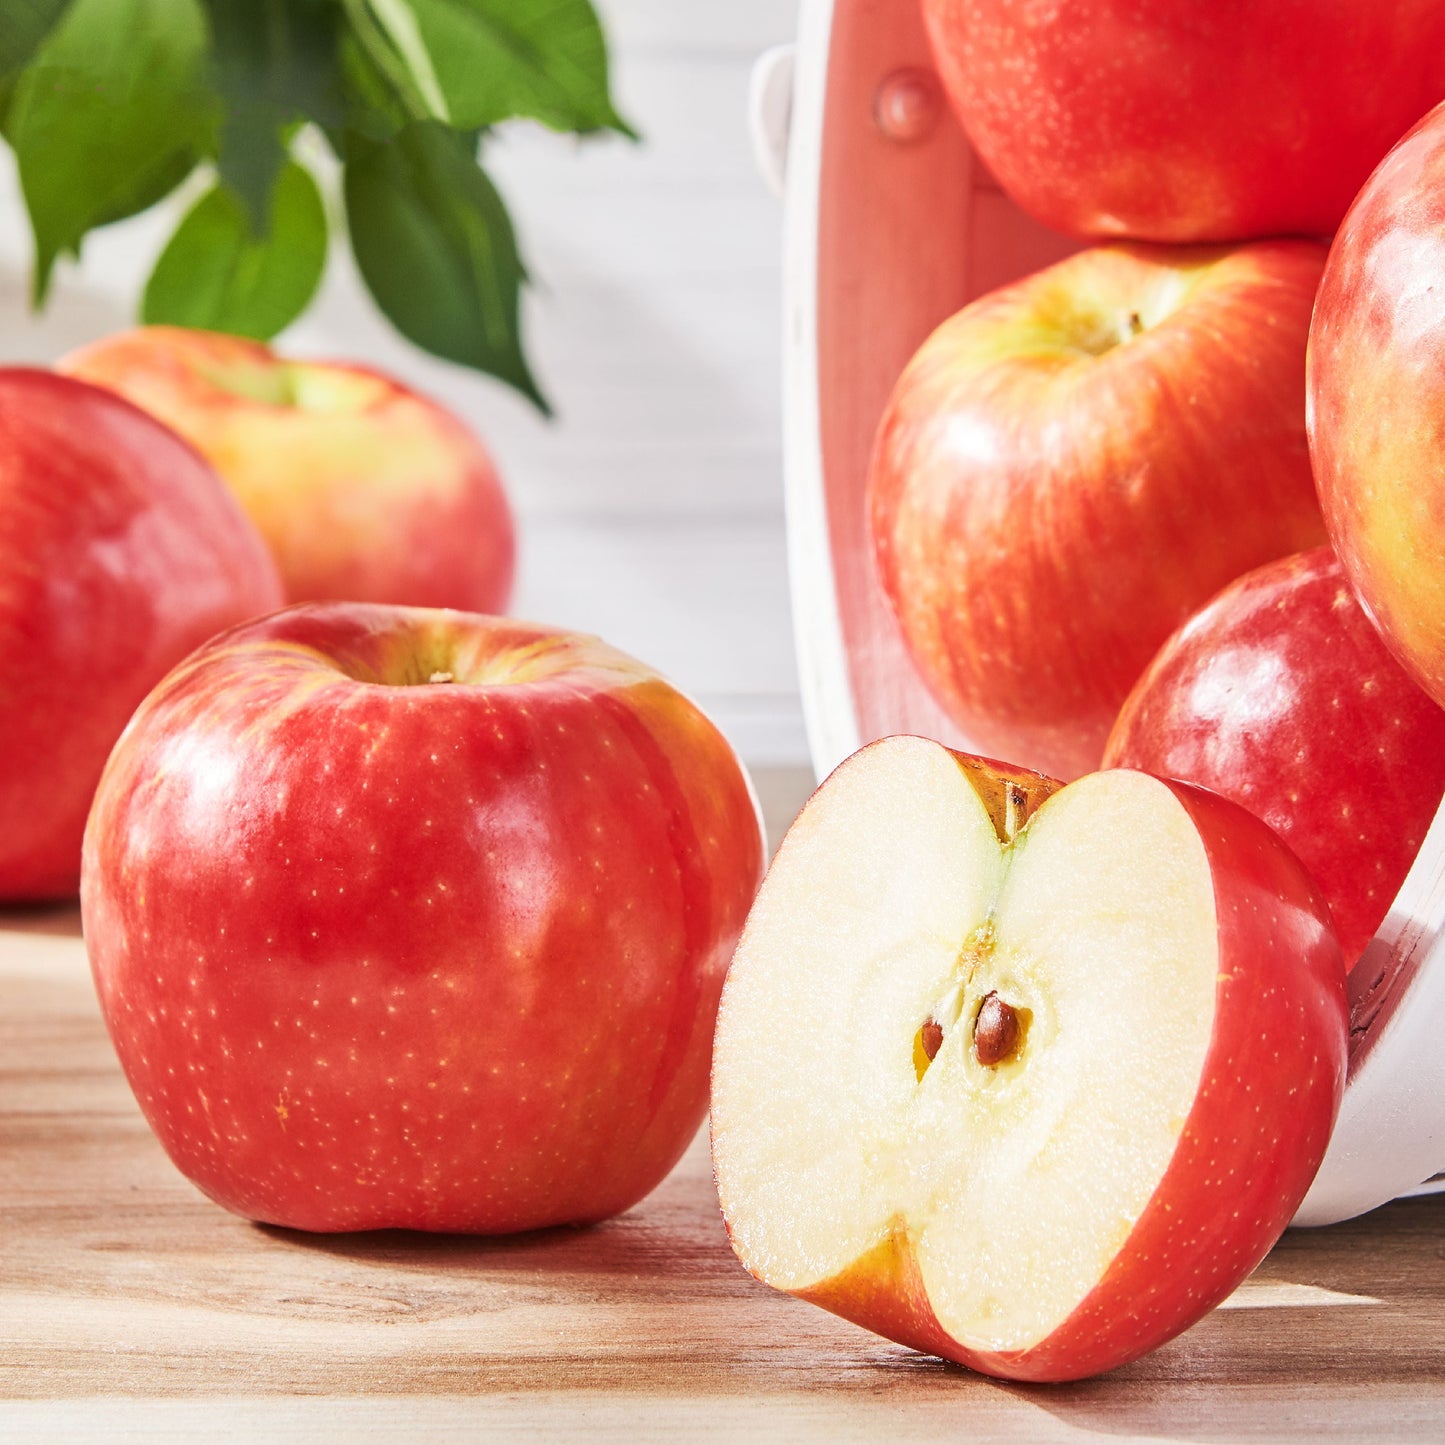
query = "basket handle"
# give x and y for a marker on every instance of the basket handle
(770, 109)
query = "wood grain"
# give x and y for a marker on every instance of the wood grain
(131, 1307)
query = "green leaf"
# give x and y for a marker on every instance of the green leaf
(252, 154)
(436, 249)
(275, 64)
(477, 62)
(27, 23)
(379, 102)
(110, 113)
(216, 274)
(162, 180)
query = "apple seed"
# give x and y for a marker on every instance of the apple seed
(995, 1031)
(932, 1039)
(926, 1044)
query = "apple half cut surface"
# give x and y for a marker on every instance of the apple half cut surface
(1024, 1076)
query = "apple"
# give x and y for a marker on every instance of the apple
(1071, 466)
(418, 919)
(1181, 121)
(1377, 399)
(1029, 1087)
(120, 551)
(1281, 695)
(366, 491)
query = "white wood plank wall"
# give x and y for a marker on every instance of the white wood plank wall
(651, 511)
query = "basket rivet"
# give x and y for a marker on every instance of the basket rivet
(907, 104)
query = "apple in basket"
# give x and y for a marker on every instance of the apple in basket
(1377, 399)
(1072, 466)
(1281, 695)
(1180, 121)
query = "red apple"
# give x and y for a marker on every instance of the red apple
(1281, 695)
(1031, 1088)
(1181, 121)
(1377, 399)
(120, 551)
(410, 918)
(1072, 466)
(366, 491)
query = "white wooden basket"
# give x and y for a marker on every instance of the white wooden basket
(891, 225)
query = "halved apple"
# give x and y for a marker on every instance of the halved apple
(1023, 1076)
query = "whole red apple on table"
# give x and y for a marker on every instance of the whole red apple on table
(1377, 399)
(1174, 120)
(120, 551)
(1029, 1087)
(365, 490)
(412, 918)
(1073, 465)
(1281, 695)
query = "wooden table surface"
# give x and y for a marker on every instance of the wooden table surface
(131, 1307)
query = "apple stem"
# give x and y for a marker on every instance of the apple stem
(995, 1031)
(442, 677)
(1136, 323)
(1015, 801)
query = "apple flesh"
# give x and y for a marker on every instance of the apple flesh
(1072, 466)
(1181, 121)
(417, 919)
(1281, 695)
(1033, 1100)
(365, 490)
(120, 551)
(1377, 399)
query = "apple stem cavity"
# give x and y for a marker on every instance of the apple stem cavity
(997, 1031)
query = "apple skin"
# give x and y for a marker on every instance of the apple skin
(366, 491)
(1050, 497)
(1269, 1093)
(439, 956)
(1377, 400)
(120, 551)
(1175, 121)
(1281, 695)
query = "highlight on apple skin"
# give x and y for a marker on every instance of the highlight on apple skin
(1071, 466)
(1180, 121)
(120, 551)
(1032, 1100)
(412, 918)
(1281, 695)
(365, 490)
(1377, 399)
